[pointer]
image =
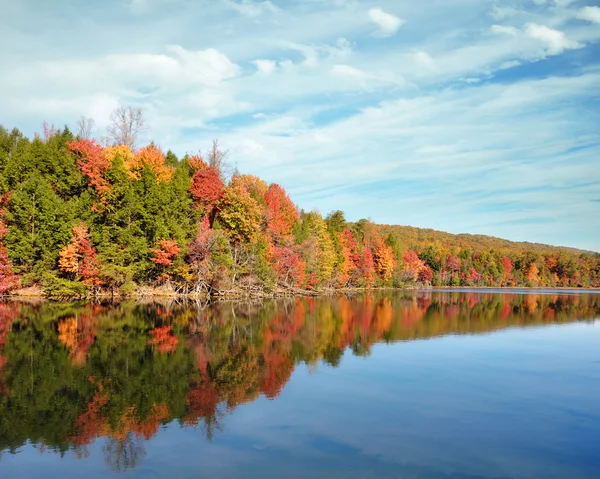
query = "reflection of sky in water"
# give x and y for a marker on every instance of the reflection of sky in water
(518, 403)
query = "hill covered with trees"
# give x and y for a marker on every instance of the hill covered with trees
(80, 217)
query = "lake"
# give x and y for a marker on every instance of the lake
(443, 384)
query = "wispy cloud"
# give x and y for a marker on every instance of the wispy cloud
(436, 114)
(591, 14)
(388, 23)
(556, 41)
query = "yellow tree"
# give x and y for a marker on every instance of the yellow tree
(78, 258)
(383, 258)
(239, 213)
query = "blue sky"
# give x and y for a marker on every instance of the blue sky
(470, 116)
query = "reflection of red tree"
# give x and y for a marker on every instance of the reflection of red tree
(506, 310)
(149, 427)
(202, 401)
(8, 313)
(93, 424)
(163, 340)
(411, 314)
(284, 327)
(277, 370)
(201, 354)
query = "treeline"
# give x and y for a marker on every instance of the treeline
(80, 217)
(129, 368)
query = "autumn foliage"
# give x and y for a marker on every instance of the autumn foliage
(166, 251)
(192, 365)
(207, 188)
(78, 258)
(281, 213)
(83, 218)
(163, 340)
(93, 163)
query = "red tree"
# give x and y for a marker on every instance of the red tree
(281, 212)
(426, 274)
(92, 163)
(367, 266)
(453, 263)
(167, 250)
(207, 189)
(412, 264)
(288, 264)
(508, 267)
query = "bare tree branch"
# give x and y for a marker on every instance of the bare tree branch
(126, 124)
(85, 127)
(217, 158)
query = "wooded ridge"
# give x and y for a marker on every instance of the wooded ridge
(81, 217)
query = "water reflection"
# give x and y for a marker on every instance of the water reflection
(72, 373)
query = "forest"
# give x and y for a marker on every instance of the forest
(83, 217)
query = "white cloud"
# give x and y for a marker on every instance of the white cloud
(563, 3)
(205, 66)
(504, 30)
(509, 64)
(139, 6)
(555, 40)
(348, 71)
(265, 66)
(591, 14)
(424, 59)
(388, 23)
(288, 98)
(500, 13)
(250, 8)
(434, 150)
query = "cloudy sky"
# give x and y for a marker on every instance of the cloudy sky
(474, 116)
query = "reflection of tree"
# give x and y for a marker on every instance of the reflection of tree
(123, 454)
(72, 373)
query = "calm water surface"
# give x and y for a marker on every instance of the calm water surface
(451, 385)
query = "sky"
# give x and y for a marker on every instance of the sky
(466, 116)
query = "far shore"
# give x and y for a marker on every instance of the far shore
(163, 293)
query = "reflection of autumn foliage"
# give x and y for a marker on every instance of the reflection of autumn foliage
(237, 377)
(93, 423)
(163, 340)
(8, 313)
(78, 335)
(277, 370)
(202, 401)
(67, 332)
(231, 354)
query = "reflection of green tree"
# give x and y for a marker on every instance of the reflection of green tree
(123, 454)
(237, 377)
(226, 354)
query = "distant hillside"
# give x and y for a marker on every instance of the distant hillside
(413, 237)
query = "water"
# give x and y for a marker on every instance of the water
(411, 385)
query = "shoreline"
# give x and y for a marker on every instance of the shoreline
(297, 293)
